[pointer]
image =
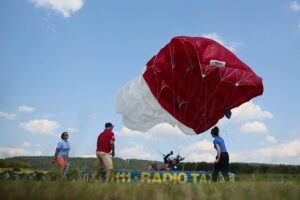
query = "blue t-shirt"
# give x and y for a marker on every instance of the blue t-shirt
(221, 143)
(64, 148)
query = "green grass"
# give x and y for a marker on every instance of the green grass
(81, 190)
(24, 170)
(267, 177)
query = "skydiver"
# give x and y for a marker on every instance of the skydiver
(221, 164)
(171, 164)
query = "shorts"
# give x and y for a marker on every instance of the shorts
(61, 160)
(223, 164)
(105, 158)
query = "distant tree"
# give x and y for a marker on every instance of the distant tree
(44, 162)
(6, 163)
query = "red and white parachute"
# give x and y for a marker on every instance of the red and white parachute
(191, 83)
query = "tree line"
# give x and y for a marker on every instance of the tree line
(247, 168)
(44, 163)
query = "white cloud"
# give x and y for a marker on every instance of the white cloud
(73, 130)
(271, 140)
(131, 133)
(200, 157)
(37, 153)
(9, 116)
(203, 145)
(284, 150)
(64, 7)
(26, 144)
(165, 130)
(136, 151)
(250, 111)
(40, 126)
(287, 153)
(88, 156)
(280, 153)
(237, 157)
(232, 46)
(26, 109)
(254, 127)
(295, 6)
(198, 152)
(11, 151)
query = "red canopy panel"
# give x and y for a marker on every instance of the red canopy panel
(197, 80)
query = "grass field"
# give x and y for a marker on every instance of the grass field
(24, 170)
(81, 190)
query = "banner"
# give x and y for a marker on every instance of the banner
(160, 177)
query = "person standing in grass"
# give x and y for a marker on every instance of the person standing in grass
(221, 164)
(61, 155)
(105, 150)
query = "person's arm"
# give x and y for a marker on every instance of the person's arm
(218, 153)
(112, 146)
(58, 148)
(55, 154)
(166, 157)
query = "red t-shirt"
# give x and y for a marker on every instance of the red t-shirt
(103, 142)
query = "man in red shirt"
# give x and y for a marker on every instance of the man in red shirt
(105, 146)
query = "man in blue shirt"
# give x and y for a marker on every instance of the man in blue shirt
(221, 164)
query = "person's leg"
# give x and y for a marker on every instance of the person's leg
(62, 169)
(61, 166)
(216, 170)
(215, 174)
(108, 165)
(100, 166)
(225, 166)
(225, 172)
(65, 169)
(98, 172)
(108, 175)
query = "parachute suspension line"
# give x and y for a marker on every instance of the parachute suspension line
(198, 100)
(155, 71)
(226, 130)
(229, 96)
(189, 70)
(182, 102)
(178, 138)
(213, 94)
(176, 96)
(171, 51)
(228, 126)
(223, 79)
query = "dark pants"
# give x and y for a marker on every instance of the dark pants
(221, 166)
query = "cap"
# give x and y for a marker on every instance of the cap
(108, 124)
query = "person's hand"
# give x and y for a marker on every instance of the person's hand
(113, 154)
(216, 161)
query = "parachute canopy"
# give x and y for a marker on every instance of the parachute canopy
(191, 83)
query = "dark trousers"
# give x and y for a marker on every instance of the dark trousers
(221, 166)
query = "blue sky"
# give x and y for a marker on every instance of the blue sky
(62, 63)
